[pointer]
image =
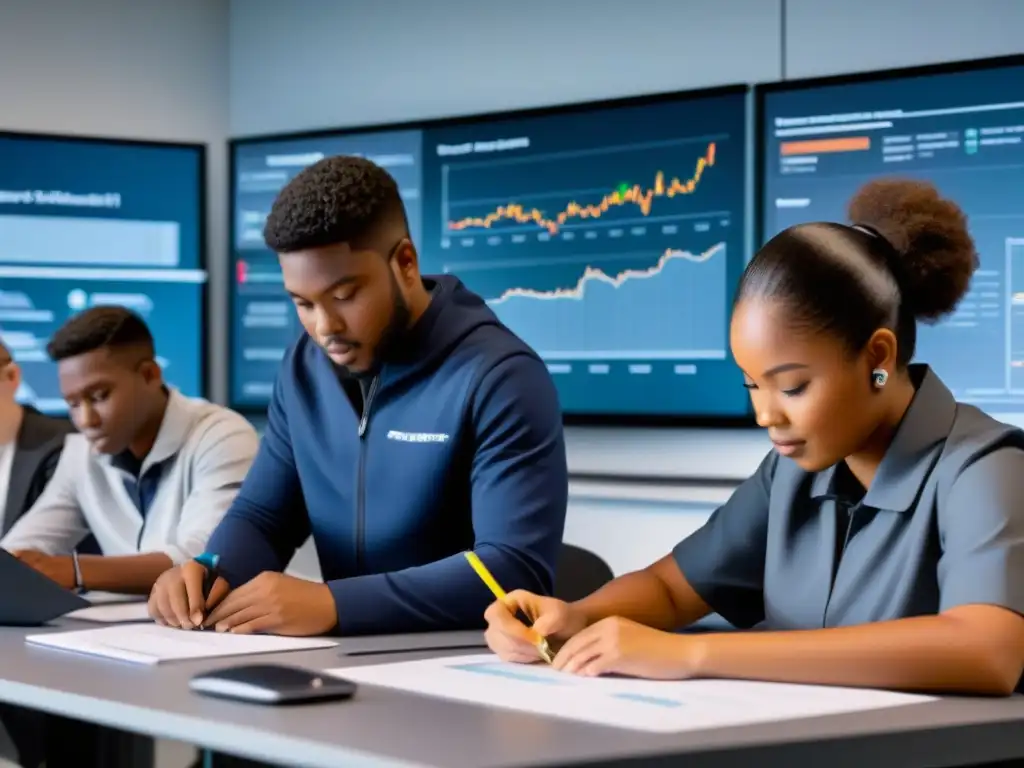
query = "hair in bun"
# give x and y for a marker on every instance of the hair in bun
(908, 256)
(929, 236)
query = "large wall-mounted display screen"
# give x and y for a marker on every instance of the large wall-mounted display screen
(609, 239)
(88, 222)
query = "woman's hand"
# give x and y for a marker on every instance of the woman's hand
(553, 620)
(623, 647)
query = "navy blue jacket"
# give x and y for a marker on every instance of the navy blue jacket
(461, 447)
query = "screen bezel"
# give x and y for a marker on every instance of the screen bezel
(202, 200)
(568, 418)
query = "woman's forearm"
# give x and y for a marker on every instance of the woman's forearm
(936, 654)
(658, 597)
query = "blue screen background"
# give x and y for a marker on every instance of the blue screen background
(85, 223)
(609, 239)
(964, 132)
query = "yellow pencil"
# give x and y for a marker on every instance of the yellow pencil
(499, 593)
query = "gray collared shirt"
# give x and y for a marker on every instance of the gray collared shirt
(942, 525)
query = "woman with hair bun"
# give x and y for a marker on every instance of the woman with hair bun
(881, 541)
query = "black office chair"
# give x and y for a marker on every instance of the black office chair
(579, 572)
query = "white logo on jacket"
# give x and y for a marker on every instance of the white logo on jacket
(417, 437)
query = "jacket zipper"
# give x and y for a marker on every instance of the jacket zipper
(361, 479)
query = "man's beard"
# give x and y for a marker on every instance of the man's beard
(390, 339)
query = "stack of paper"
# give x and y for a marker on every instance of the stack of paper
(152, 643)
(664, 706)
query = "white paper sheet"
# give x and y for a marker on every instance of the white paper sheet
(647, 705)
(112, 613)
(103, 598)
(153, 644)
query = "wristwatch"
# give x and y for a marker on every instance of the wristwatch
(79, 587)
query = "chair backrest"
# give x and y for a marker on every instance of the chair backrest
(579, 573)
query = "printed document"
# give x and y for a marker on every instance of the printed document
(153, 644)
(647, 705)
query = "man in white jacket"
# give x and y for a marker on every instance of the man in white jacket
(150, 473)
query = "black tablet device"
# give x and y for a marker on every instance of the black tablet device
(28, 598)
(271, 684)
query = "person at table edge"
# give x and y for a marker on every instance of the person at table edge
(881, 542)
(406, 425)
(30, 446)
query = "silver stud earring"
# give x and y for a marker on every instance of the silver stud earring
(879, 376)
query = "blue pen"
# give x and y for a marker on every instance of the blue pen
(210, 562)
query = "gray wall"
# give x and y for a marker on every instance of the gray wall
(312, 64)
(389, 60)
(141, 69)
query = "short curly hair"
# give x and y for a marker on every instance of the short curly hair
(100, 327)
(906, 256)
(341, 199)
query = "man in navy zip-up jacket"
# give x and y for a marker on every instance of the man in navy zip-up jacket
(407, 426)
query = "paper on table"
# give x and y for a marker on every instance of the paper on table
(112, 613)
(152, 643)
(663, 706)
(365, 645)
(102, 598)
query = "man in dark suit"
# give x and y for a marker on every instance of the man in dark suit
(30, 446)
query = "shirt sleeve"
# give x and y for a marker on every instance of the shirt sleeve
(55, 524)
(723, 560)
(981, 530)
(221, 460)
(267, 521)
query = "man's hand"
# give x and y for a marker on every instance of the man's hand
(59, 568)
(177, 596)
(274, 603)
